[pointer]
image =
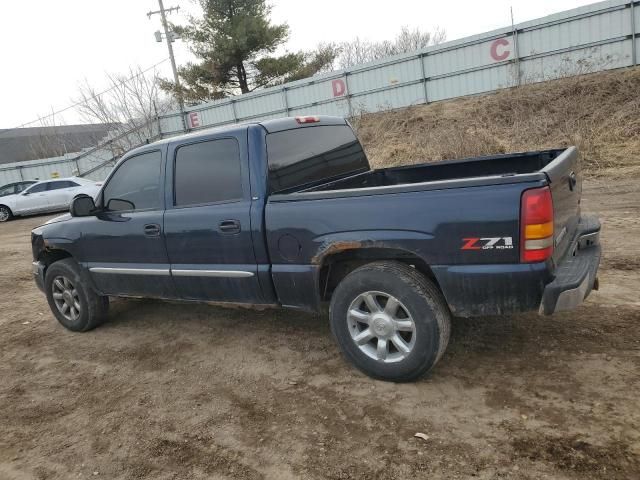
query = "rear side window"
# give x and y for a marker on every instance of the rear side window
(306, 156)
(208, 172)
(136, 184)
(62, 184)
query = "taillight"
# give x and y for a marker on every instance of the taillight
(536, 217)
(308, 119)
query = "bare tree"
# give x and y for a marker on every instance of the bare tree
(360, 51)
(46, 139)
(130, 104)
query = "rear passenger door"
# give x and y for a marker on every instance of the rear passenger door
(207, 223)
(60, 193)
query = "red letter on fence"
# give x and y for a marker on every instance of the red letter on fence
(194, 119)
(339, 88)
(501, 42)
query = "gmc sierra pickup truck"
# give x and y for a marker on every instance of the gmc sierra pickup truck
(288, 212)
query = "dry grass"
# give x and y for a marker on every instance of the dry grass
(599, 113)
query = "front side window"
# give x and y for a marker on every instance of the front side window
(135, 185)
(22, 186)
(208, 172)
(41, 187)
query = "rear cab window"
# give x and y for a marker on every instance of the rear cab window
(304, 157)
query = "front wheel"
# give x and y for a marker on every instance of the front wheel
(75, 305)
(5, 213)
(390, 321)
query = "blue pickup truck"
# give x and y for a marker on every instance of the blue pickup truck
(288, 212)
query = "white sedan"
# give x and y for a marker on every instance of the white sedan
(46, 196)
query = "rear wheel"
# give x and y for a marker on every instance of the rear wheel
(74, 305)
(5, 213)
(390, 321)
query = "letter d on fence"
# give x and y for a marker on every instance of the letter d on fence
(338, 86)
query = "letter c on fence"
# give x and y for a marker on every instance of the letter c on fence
(339, 88)
(501, 42)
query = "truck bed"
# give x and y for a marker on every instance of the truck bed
(476, 167)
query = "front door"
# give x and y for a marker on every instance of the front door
(207, 221)
(123, 246)
(33, 200)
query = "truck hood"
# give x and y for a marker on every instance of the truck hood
(60, 218)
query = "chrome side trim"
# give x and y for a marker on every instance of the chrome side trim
(212, 273)
(131, 271)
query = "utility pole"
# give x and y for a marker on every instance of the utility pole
(169, 38)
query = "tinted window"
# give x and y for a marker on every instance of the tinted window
(8, 190)
(137, 182)
(23, 186)
(62, 184)
(310, 155)
(208, 172)
(41, 187)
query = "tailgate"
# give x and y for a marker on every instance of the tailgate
(565, 176)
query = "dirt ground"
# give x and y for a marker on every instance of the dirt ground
(173, 391)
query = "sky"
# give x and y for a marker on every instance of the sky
(50, 47)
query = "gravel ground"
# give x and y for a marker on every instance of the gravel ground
(175, 391)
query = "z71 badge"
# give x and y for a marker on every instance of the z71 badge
(487, 243)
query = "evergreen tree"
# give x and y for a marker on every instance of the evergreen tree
(235, 43)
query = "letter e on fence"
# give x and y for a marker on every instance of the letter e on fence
(194, 119)
(338, 86)
(498, 49)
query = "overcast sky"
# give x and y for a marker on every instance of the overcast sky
(49, 47)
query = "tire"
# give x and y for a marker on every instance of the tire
(418, 314)
(85, 310)
(5, 213)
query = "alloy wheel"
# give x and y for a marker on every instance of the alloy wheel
(381, 326)
(66, 298)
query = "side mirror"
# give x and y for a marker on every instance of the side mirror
(25, 193)
(119, 205)
(82, 206)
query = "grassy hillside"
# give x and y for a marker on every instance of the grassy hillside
(599, 113)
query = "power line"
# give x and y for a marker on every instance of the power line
(168, 37)
(77, 104)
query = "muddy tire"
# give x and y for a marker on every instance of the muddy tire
(390, 321)
(74, 304)
(5, 213)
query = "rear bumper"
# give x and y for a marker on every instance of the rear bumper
(577, 272)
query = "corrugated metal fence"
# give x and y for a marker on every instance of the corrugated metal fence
(592, 38)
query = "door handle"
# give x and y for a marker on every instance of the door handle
(573, 180)
(152, 230)
(229, 226)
